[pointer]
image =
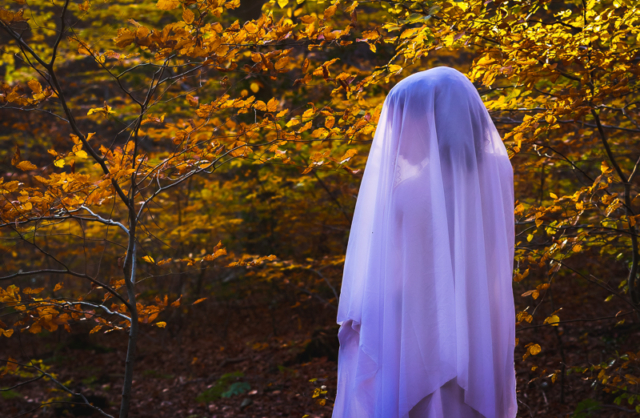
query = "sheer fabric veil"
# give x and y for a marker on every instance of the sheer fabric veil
(426, 301)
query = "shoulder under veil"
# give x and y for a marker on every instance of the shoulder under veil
(427, 287)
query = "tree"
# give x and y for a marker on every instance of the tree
(184, 127)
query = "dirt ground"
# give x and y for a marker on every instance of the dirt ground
(230, 361)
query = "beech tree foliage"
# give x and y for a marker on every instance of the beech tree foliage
(147, 140)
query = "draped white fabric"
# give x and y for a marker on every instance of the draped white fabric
(426, 307)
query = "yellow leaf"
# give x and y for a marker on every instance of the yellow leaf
(6, 332)
(255, 87)
(320, 133)
(307, 19)
(106, 110)
(218, 253)
(199, 300)
(534, 349)
(26, 166)
(272, 105)
(57, 287)
(305, 127)
(251, 28)
(59, 162)
(81, 154)
(281, 63)
(553, 320)
(167, 4)
(519, 277)
(84, 6)
(188, 16)
(330, 11)
(148, 259)
(83, 50)
(161, 324)
(292, 122)
(352, 7)
(283, 3)
(604, 167)
(553, 195)
(395, 68)
(529, 237)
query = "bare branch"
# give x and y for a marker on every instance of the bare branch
(104, 308)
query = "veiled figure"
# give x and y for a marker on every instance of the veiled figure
(426, 311)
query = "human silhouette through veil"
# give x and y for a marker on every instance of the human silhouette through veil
(426, 311)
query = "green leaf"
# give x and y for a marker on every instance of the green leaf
(236, 388)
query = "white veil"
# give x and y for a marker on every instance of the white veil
(426, 293)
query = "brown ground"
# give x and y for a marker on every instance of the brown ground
(178, 363)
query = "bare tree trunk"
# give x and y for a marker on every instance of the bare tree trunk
(130, 279)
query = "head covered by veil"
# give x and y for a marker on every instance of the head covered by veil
(426, 294)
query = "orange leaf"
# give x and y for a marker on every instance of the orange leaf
(193, 101)
(188, 16)
(281, 63)
(35, 86)
(534, 349)
(347, 156)
(329, 11)
(167, 4)
(199, 300)
(26, 166)
(272, 105)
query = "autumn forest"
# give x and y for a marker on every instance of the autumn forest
(178, 180)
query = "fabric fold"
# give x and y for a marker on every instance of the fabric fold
(426, 297)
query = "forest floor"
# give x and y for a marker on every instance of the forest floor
(255, 363)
